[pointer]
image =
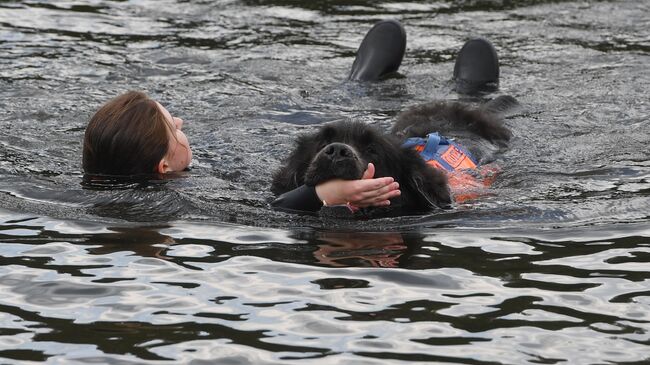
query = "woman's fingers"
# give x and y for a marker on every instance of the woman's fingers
(362, 192)
(377, 189)
(376, 197)
(380, 200)
(370, 185)
(370, 172)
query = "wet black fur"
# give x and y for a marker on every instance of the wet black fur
(479, 129)
(343, 150)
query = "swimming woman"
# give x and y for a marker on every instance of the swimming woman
(133, 135)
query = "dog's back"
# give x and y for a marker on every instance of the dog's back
(480, 129)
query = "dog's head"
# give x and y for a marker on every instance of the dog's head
(344, 149)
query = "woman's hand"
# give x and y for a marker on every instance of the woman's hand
(360, 193)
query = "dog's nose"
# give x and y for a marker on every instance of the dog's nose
(338, 151)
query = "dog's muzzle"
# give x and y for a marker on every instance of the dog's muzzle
(336, 160)
(338, 152)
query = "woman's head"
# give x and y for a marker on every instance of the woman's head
(133, 134)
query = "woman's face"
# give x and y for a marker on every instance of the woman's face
(179, 154)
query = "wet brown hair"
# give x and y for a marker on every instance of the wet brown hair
(127, 136)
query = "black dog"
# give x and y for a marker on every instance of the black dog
(343, 150)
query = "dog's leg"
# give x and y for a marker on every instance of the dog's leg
(477, 68)
(380, 52)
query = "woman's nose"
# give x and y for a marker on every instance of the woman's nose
(178, 122)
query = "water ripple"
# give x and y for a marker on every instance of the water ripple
(550, 268)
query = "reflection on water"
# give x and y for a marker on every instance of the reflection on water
(550, 268)
(360, 249)
(223, 293)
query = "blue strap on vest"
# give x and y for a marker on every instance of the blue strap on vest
(434, 146)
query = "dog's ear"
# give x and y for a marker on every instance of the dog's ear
(423, 188)
(292, 173)
(432, 187)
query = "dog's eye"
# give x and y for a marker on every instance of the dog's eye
(322, 145)
(326, 138)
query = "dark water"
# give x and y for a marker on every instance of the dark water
(552, 268)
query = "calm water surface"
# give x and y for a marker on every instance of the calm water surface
(553, 267)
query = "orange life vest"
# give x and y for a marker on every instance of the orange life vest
(467, 180)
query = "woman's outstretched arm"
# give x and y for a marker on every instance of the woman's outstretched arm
(364, 192)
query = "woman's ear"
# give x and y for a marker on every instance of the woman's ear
(163, 166)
